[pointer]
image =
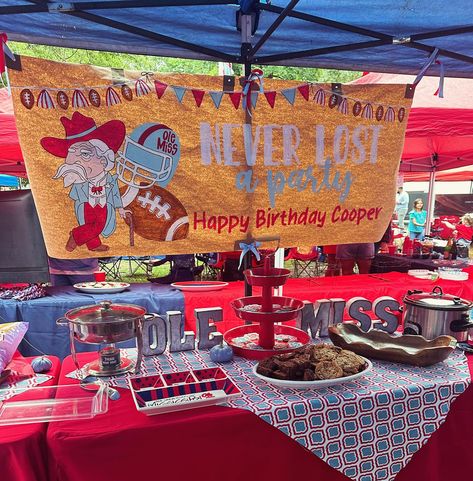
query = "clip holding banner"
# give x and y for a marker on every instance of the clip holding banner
(228, 83)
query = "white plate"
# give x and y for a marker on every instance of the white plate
(454, 276)
(313, 384)
(101, 287)
(419, 272)
(199, 286)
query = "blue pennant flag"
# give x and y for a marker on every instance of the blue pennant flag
(254, 99)
(290, 95)
(179, 91)
(216, 98)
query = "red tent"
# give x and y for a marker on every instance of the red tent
(11, 158)
(453, 175)
(439, 133)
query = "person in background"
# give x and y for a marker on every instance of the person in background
(333, 267)
(464, 235)
(388, 237)
(360, 254)
(402, 205)
(183, 269)
(417, 220)
(67, 272)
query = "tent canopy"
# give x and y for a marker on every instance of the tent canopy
(461, 174)
(374, 35)
(439, 133)
(11, 157)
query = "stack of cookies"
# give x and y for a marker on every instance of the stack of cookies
(311, 363)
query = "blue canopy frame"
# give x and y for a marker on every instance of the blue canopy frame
(374, 35)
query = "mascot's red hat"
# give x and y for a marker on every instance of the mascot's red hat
(81, 128)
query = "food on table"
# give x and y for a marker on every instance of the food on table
(102, 285)
(250, 340)
(312, 363)
(257, 308)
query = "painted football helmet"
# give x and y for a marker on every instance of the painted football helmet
(150, 156)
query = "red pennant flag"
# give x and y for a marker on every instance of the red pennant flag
(3, 40)
(160, 88)
(271, 98)
(235, 97)
(304, 91)
(198, 96)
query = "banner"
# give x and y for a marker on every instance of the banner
(141, 163)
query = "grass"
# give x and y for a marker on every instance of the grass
(139, 273)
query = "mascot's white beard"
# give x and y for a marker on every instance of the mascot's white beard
(71, 173)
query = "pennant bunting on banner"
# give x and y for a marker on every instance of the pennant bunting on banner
(271, 98)
(304, 91)
(141, 88)
(254, 99)
(44, 100)
(216, 98)
(179, 91)
(160, 88)
(198, 96)
(289, 95)
(319, 97)
(111, 97)
(235, 97)
(79, 100)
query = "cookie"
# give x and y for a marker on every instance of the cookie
(328, 370)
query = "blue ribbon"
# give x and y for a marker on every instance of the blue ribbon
(439, 91)
(245, 248)
(432, 58)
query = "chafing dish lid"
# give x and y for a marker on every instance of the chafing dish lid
(105, 311)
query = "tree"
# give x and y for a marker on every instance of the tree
(165, 64)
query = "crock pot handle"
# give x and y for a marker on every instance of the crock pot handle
(62, 321)
(461, 325)
(437, 290)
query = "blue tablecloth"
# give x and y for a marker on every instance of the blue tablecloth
(42, 314)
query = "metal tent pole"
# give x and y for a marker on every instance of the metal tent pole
(246, 28)
(431, 196)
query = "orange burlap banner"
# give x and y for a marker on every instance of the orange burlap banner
(140, 163)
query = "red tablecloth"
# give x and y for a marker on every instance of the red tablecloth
(214, 443)
(23, 448)
(370, 286)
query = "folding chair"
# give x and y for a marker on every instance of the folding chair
(306, 265)
(135, 263)
(111, 267)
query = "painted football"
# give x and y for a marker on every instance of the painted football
(62, 99)
(27, 98)
(127, 92)
(333, 101)
(401, 114)
(379, 113)
(94, 98)
(158, 215)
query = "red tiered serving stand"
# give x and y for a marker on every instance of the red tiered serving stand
(266, 311)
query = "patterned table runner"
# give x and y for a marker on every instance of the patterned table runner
(368, 429)
(17, 385)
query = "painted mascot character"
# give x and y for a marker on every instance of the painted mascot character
(147, 164)
(89, 152)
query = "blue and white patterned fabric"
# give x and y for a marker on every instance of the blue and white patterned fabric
(368, 429)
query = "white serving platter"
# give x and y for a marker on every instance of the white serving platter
(102, 287)
(313, 384)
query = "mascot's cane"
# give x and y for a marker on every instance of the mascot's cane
(129, 221)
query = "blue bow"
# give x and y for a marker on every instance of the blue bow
(245, 248)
